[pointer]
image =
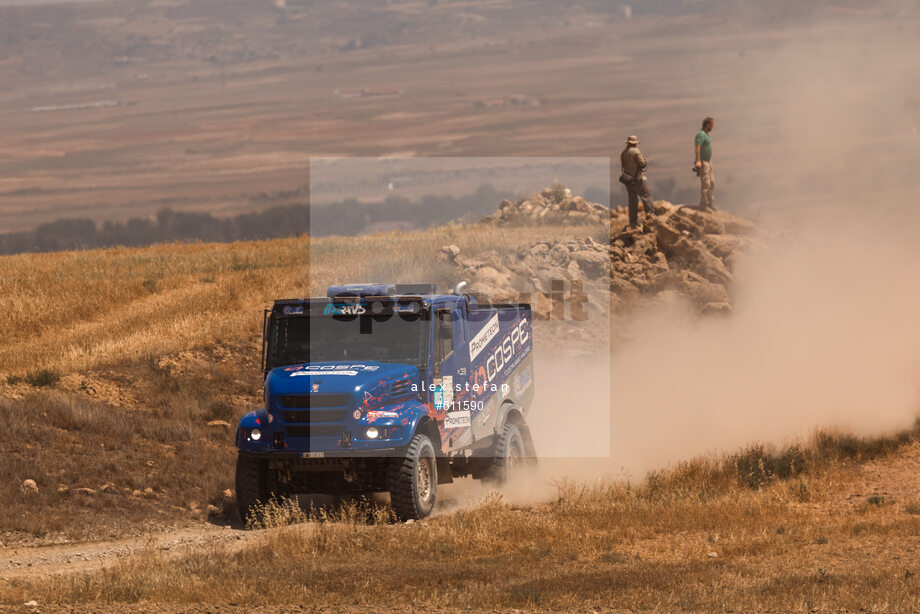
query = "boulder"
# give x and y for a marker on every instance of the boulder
(593, 262)
(690, 255)
(29, 487)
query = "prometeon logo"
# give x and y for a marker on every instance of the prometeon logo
(344, 310)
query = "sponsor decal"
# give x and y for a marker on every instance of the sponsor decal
(326, 368)
(506, 354)
(312, 454)
(296, 373)
(482, 338)
(437, 395)
(457, 419)
(344, 310)
(447, 389)
(406, 308)
(461, 371)
(368, 397)
(374, 415)
(315, 387)
(293, 310)
(523, 380)
(297, 368)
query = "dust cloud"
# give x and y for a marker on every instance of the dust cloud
(824, 333)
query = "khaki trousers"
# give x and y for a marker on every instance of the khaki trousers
(707, 184)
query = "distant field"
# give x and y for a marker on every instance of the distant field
(197, 106)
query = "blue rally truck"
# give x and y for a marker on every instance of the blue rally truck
(385, 387)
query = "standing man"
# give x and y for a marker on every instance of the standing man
(703, 167)
(633, 177)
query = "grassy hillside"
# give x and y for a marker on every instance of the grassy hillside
(113, 361)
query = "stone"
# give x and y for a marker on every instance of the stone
(29, 487)
(592, 262)
(223, 424)
(678, 249)
(699, 260)
(452, 251)
(573, 271)
(722, 245)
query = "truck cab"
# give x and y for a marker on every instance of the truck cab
(387, 387)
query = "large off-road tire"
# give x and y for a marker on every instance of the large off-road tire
(413, 480)
(251, 484)
(508, 455)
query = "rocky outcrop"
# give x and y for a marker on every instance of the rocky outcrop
(554, 205)
(678, 250)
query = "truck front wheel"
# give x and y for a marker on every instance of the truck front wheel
(413, 480)
(251, 484)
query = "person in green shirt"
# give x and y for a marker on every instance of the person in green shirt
(703, 147)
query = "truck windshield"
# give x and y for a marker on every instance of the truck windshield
(398, 338)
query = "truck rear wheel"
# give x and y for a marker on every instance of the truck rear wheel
(251, 484)
(413, 480)
(509, 455)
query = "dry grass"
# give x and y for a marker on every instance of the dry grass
(76, 311)
(144, 366)
(110, 359)
(697, 539)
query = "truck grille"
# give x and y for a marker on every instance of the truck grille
(314, 430)
(311, 401)
(314, 415)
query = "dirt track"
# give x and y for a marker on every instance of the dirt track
(90, 556)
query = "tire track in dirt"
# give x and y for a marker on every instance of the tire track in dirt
(37, 561)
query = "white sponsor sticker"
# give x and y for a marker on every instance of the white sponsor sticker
(457, 419)
(312, 454)
(296, 373)
(447, 383)
(482, 338)
(324, 368)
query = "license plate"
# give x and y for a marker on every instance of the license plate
(312, 454)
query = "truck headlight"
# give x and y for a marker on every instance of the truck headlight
(255, 434)
(372, 433)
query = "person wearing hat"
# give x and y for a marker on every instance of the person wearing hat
(702, 145)
(633, 177)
